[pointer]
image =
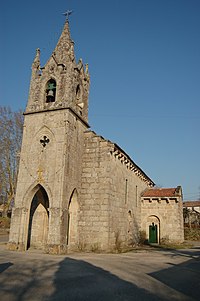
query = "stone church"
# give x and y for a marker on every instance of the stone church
(77, 191)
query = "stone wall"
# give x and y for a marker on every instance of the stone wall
(95, 191)
(167, 213)
(126, 187)
(56, 167)
(110, 198)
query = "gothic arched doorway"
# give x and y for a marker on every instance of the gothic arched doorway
(38, 220)
(72, 230)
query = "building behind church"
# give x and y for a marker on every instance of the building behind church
(77, 191)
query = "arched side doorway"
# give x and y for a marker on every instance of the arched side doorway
(153, 229)
(72, 226)
(38, 220)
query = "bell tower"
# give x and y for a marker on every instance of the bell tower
(55, 120)
(61, 83)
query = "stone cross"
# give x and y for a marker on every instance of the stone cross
(40, 174)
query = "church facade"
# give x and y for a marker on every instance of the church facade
(77, 191)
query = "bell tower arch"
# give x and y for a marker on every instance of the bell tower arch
(56, 118)
(51, 91)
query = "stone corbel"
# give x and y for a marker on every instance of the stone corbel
(116, 153)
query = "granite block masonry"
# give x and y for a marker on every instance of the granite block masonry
(77, 191)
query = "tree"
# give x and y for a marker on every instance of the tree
(11, 126)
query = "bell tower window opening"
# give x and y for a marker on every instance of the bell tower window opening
(78, 92)
(51, 91)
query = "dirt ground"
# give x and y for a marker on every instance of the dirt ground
(145, 274)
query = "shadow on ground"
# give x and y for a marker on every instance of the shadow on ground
(79, 280)
(38, 277)
(69, 280)
(5, 266)
(194, 252)
(184, 277)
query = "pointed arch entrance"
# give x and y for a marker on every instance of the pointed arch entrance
(72, 227)
(38, 220)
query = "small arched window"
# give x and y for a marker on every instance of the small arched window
(51, 91)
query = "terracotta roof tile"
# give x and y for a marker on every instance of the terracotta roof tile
(191, 204)
(160, 192)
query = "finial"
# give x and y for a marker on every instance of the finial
(67, 14)
(38, 53)
(36, 62)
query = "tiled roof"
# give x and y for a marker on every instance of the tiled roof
(191, 204)
(160, 192)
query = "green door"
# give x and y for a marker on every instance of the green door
(153, 235)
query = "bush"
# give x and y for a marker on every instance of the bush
(192, 234)
(4, 222)
(142, 238)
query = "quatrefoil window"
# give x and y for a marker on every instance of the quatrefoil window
(44, 141)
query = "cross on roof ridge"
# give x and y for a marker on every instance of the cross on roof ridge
(67, 14)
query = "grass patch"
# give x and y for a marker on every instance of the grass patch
(173, 246)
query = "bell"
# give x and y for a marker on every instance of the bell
(50, 96)
(50, 93)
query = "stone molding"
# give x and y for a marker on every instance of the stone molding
(57, 109)
(160, 199)
(126, 160)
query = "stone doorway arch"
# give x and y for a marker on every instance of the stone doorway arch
(38, 227)
(153, 229)
(72, 228)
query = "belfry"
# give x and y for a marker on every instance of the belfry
(77, 190)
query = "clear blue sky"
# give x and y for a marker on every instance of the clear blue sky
(144, 62)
